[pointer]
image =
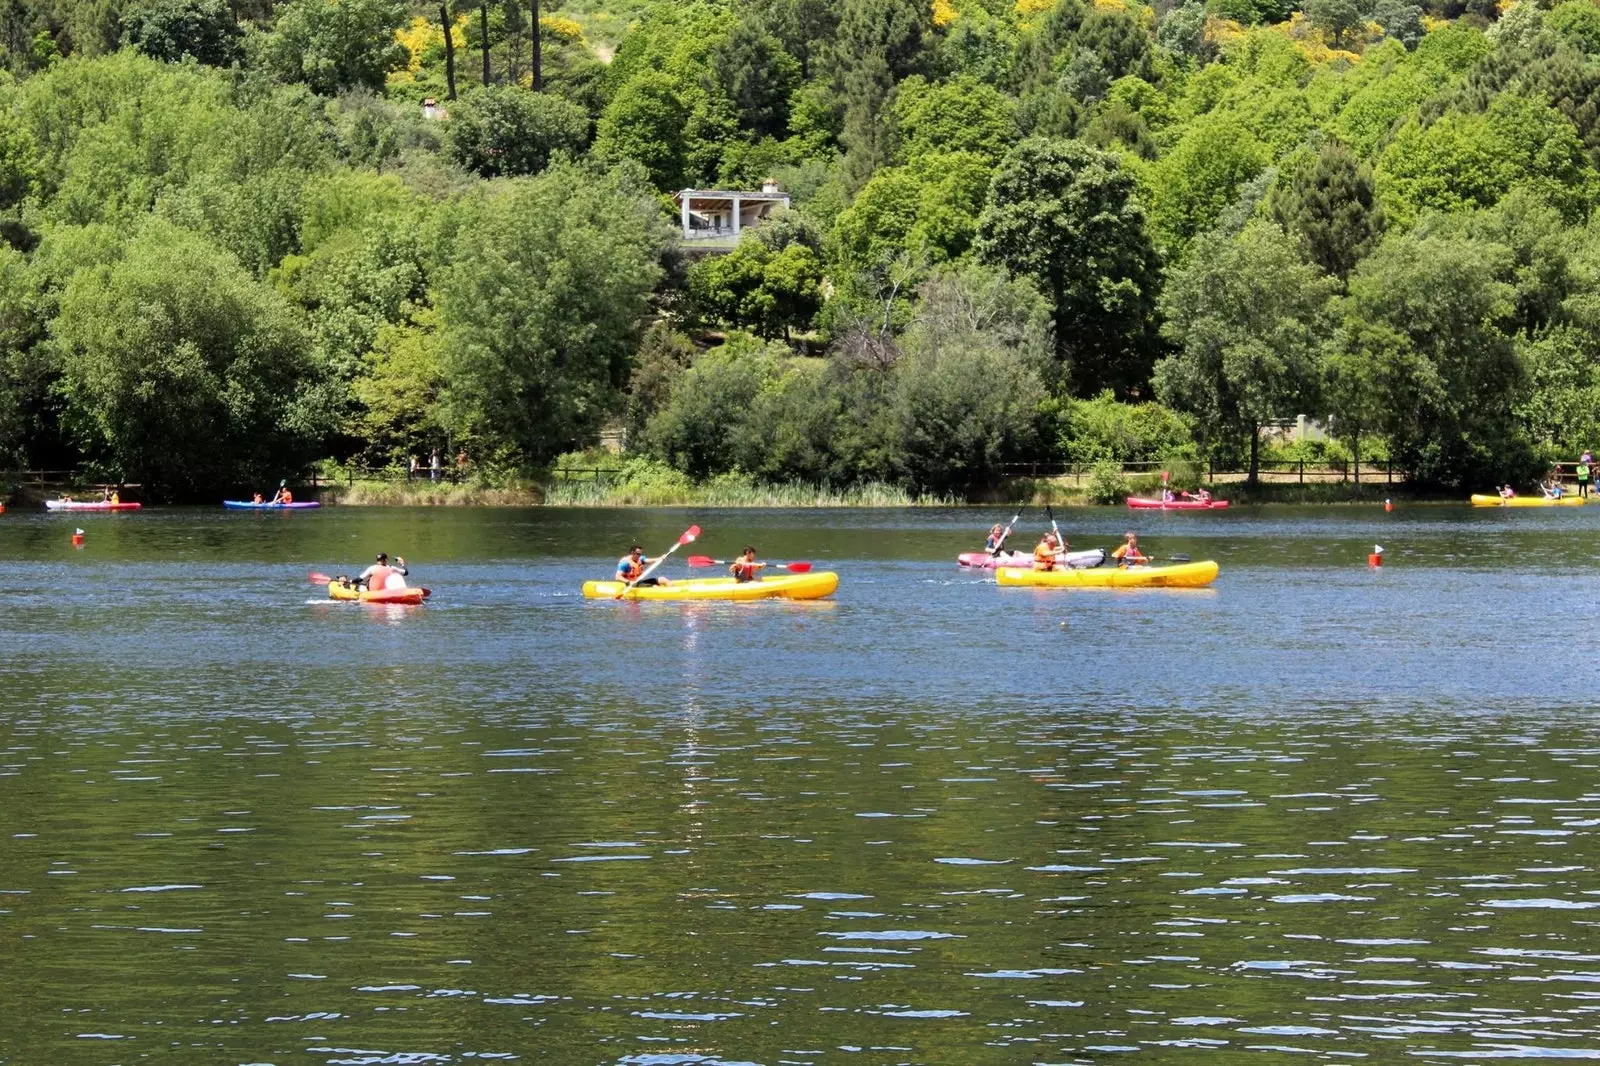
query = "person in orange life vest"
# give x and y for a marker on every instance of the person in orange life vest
(632, 565)
(1129, 554)
(283, 495)
(744, 568)
(1045, 554)
(380, 575)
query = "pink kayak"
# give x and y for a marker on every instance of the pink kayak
(86, 505)
(1140, 503)
(985, 561)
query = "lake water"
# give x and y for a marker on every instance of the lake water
(1318, 813)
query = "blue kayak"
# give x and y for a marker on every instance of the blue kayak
(246, 505)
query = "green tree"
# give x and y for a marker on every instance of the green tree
(398, 393)
(955, 116)
(1452, 379)
(1202, 174)
(1068, 217)
(756, 287)
(1578, 23)
(540, 311)
(1334, 17)
(334, 45)
(181, 371)
(878, 43)
(1400, 20)
(506, 131)
(645, 122)
(1330, 203)
(758, 76)
(1248, 318)
(172, 29)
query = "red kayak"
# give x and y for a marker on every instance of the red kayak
(86, 505)
(1141, 503)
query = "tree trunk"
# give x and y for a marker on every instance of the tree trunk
(483, 25)
(538, 59)
(1255, 454)
(1355, 450)
(449, 51)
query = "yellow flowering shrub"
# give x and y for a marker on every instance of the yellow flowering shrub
(563, 29)
(944, 13)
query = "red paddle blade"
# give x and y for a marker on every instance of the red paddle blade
(318, 579)
(797, 568)
(702, 560)
(689, 535)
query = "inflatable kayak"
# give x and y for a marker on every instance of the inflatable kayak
(337, 591)
(1141, 503)
(985, 561)
(1177, 576)
(1527, 501)
(74, 505)
(786, 587)
(247, 505)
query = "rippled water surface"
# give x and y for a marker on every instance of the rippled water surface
(1316, 814)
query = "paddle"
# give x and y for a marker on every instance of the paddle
(318, 579)
(688, 537)
(1001, 542)
(793, 568)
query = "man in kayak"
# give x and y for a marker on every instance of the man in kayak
(744, 568)
(1129, 554)
(283, 495)
(381, 576)
(634, 564)
(1048, 552)
(1507, 492)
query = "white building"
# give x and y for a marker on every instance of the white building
(708, 214)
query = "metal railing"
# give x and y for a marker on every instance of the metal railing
(1271, 471)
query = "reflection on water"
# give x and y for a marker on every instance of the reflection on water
(1324, 813)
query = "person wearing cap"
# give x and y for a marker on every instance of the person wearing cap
(631, 568)
(381, 576)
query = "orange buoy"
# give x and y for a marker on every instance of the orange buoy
(1388, 505)
(77, 538)
(1375, 557)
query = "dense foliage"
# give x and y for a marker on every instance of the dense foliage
(234, 242)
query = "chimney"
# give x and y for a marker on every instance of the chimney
(770, 185)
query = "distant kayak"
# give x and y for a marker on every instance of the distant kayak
(246, 505)
(788, 587)
(1527, 501)
(1177, 576)
(337, 591)
(985, 561)
(102, 505)
(1142, 503)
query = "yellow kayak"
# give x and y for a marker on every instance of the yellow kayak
(1178, 576)
(1527, 501)
(787, 587)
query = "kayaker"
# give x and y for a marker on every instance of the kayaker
(1204, 496)
(632, 565)
(1129, 554)
(1048, 552)
(744, 568)
(257, 500)
(283, 495)
(1507, 492)
(380, 575)
(996, 536)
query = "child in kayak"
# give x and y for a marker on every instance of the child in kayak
(634, 564)
(992, 543)
(1507, 492)
(380, 576)
(744, 568)
(1129, 554)
(1048, 552)
(257, 499)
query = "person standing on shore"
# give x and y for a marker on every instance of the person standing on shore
(411, 471)
(1585, 461)
(433, 466)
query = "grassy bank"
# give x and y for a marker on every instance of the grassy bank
(428, 494)
(721, 492)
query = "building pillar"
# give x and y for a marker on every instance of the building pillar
(686, 199)
(735, 216)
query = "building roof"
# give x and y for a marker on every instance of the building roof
(728, 194)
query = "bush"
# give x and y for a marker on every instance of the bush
(506, 131)
(1103, 428)
(1107, 483)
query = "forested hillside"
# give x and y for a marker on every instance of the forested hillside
(234, 243)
